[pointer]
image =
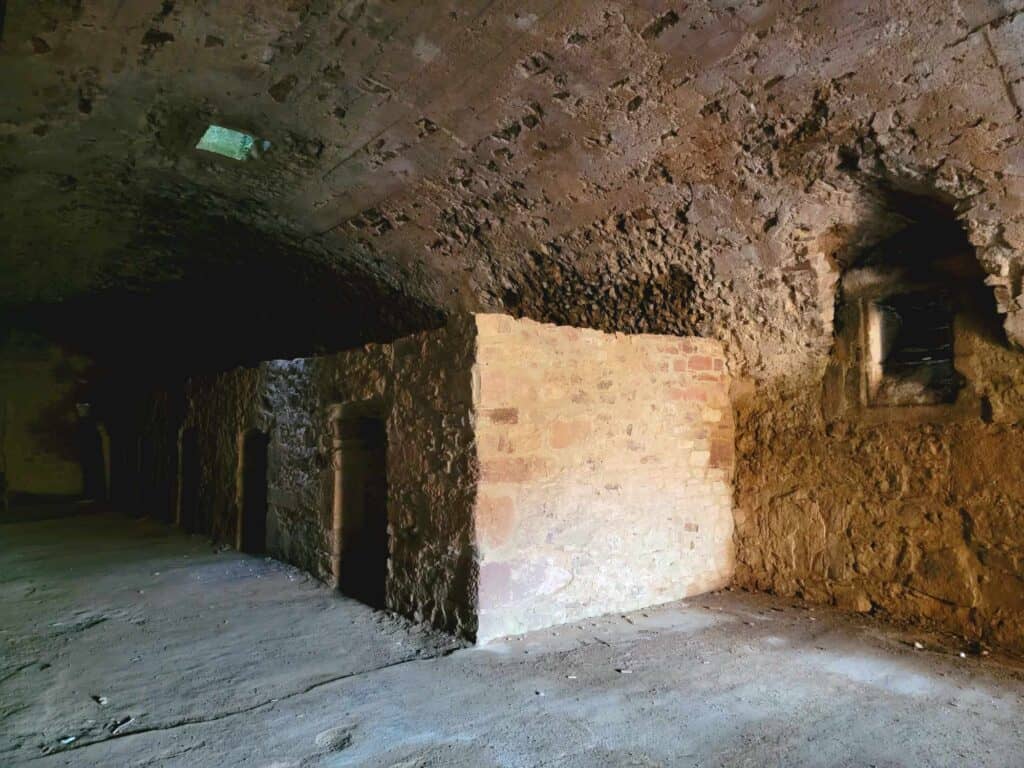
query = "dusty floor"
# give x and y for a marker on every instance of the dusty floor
(128, 644)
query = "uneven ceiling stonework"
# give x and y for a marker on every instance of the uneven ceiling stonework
(701, 167)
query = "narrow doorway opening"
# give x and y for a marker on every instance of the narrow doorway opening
(252, 528)
(90, 450)
(188, 480)
(360, 506)
(123, 481)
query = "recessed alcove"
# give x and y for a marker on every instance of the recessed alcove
(910, 310)
(359, 529)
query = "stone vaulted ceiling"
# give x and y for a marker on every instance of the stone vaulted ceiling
(639, 166)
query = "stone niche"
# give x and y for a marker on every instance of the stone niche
(533, 474)
(907, 325)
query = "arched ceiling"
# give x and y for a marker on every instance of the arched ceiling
(638, 166)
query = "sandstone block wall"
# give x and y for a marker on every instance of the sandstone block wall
(605, 472)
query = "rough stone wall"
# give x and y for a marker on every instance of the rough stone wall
(38, 444)
(606, 466)
(219, 408)
(910, 513)
(432, 478)
(421, 385)
(297, 395)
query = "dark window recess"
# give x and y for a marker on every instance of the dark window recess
(916, 350)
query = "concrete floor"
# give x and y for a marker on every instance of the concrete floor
(127, 644)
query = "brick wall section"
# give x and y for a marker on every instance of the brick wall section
(606, 465)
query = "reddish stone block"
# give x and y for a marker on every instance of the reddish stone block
(721, 454)
(700, 363)
(688, 394)
(503, 415)
(495, 519)
(511, 470)
(567, 433)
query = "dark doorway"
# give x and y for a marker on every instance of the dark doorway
(90, 452)
(149, 486)
(126, 480)
(360, 466)
(252, 534)
(188, 479)
(122, 469)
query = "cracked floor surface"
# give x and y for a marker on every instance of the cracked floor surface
(126, 643)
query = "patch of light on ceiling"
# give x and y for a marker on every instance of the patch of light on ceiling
(230, 143)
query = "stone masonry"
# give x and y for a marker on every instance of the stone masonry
(536, 474)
